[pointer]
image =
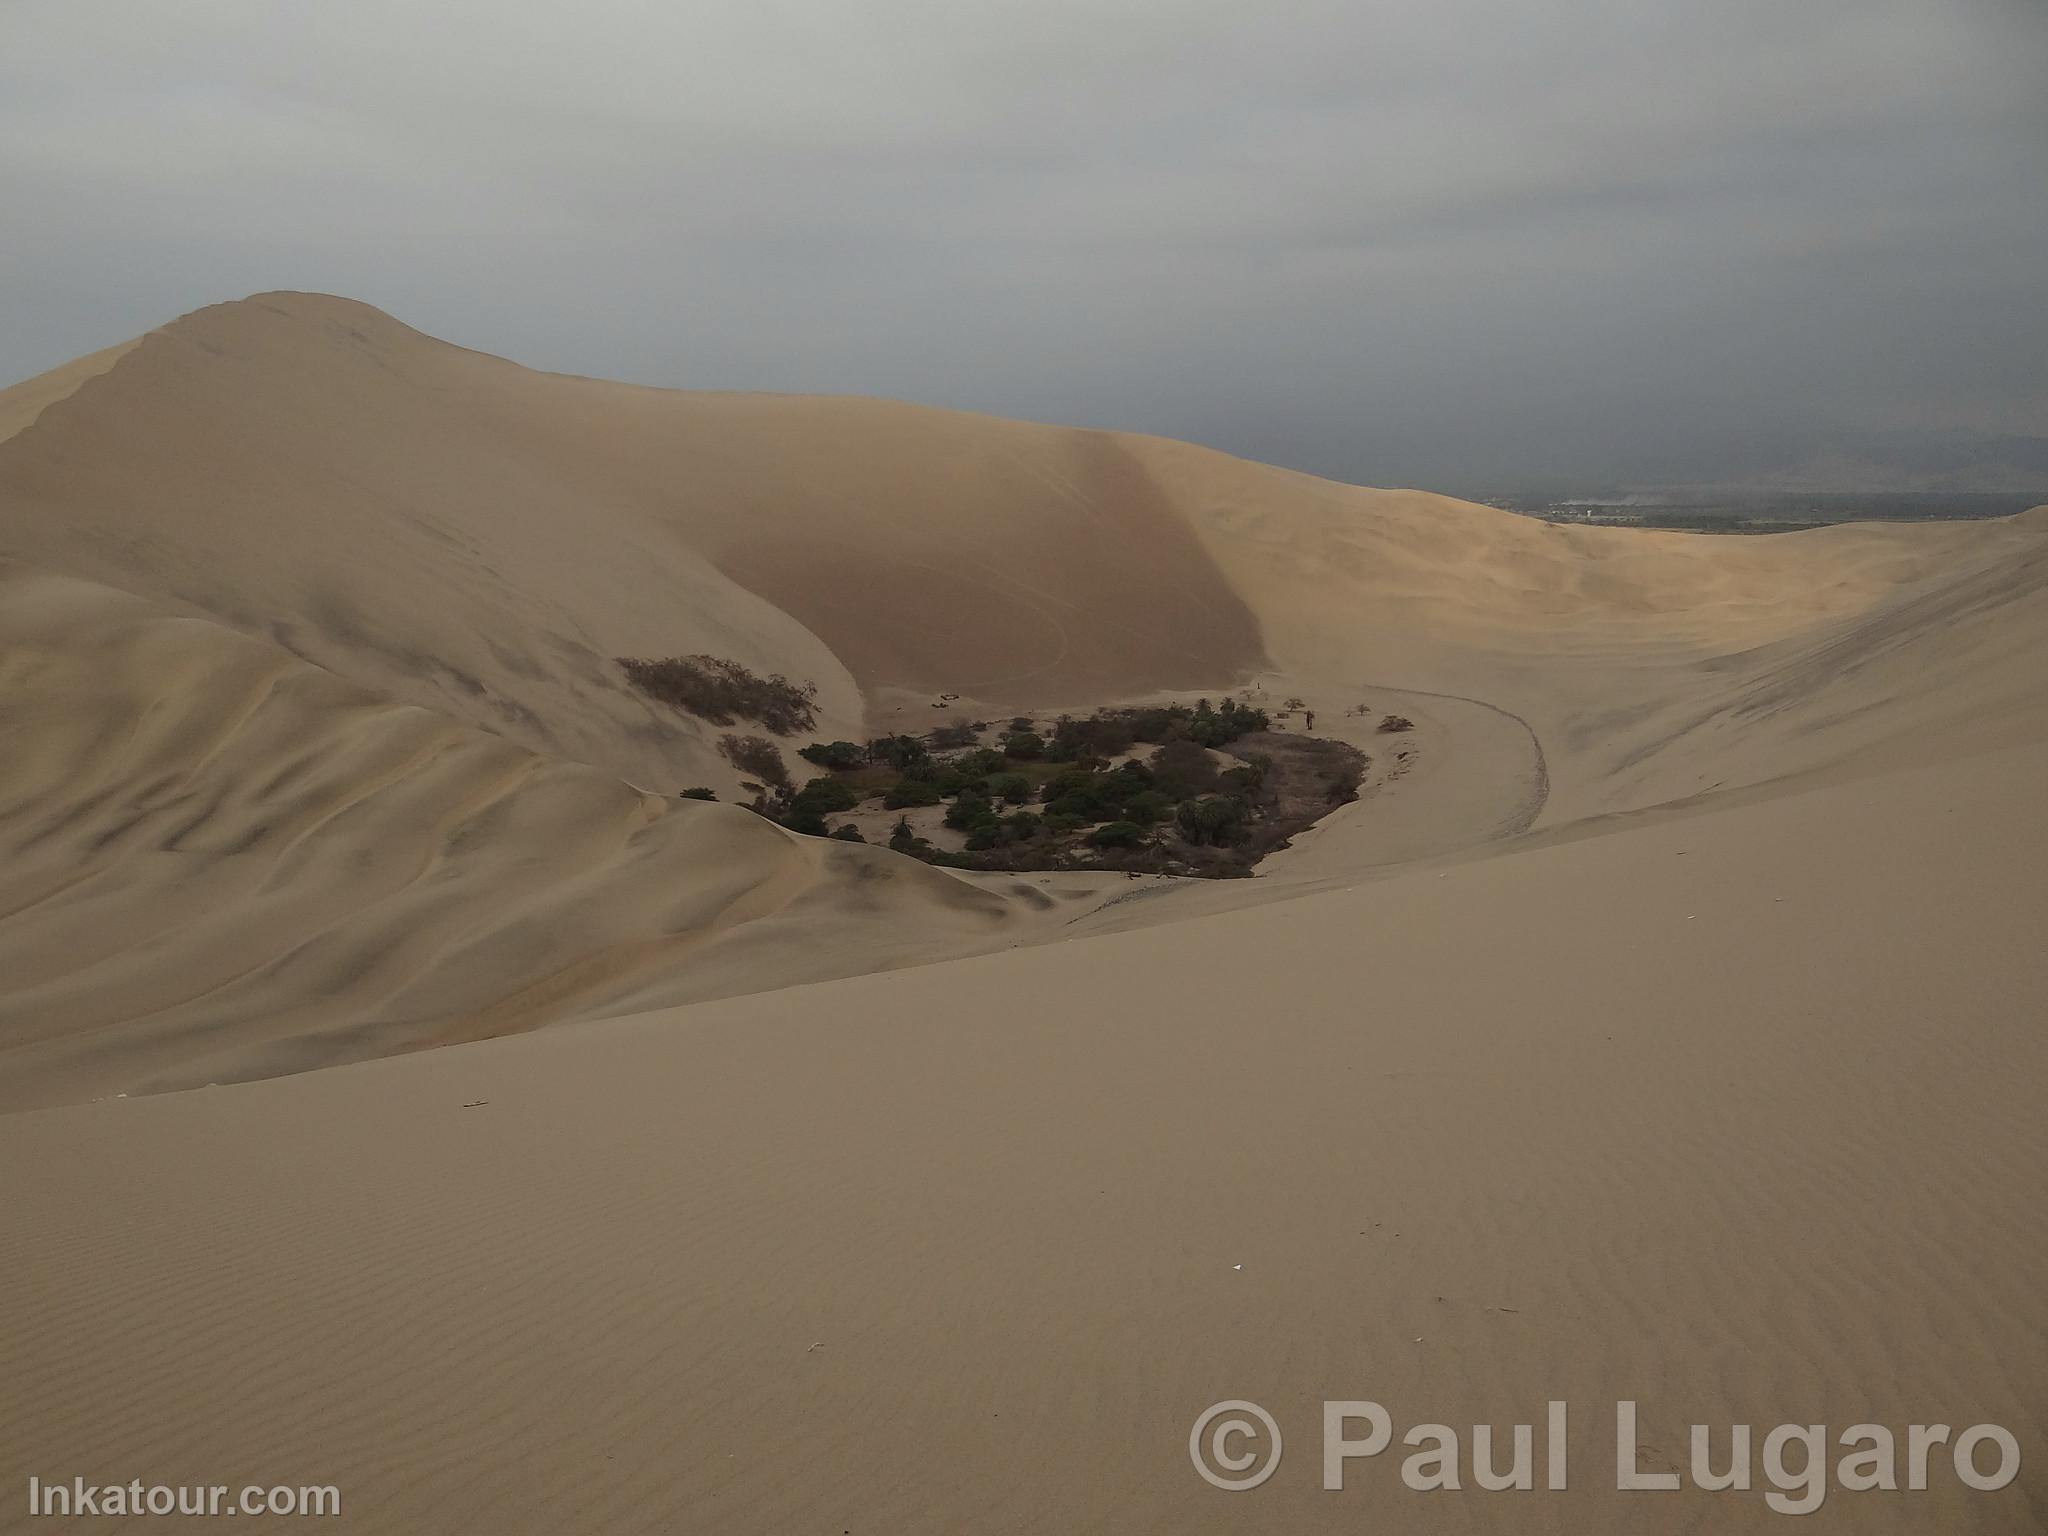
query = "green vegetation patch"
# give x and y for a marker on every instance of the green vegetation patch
(1058, 798)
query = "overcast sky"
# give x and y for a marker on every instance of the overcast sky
(1457, 243)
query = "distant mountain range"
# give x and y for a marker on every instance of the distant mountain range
(1958, 461)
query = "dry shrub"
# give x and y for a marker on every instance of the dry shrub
(758, 757)
(722, 691)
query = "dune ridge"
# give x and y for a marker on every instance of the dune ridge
(376, 585)
(481, 539)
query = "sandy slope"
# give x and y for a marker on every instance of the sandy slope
(1664, 1025)
(480, 539)
(21, 405)
(1736, 1114)
(217, 861)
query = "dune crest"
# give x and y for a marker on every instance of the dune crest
(321, 748)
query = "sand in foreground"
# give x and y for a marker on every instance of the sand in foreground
(1740, 1117)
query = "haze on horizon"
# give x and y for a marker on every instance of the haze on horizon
(1466, 246)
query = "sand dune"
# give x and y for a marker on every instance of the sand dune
(381, 581)
(21, 405)
(220, 862)
(480, 539)
(1663, 1024)
(1736, 1115)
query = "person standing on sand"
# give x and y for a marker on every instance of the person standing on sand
(1309, 716)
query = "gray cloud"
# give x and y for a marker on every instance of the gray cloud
(1462, 243)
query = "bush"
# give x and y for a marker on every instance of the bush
(823, 796)
(1251, 778)
(849, 834)
(699, 792)
(1128, 779)
(1159, 724)
(901, 838)
(1118, 834)
(980, 763)
(1220, 727)
(1023, 723)
(1070, 781)
(1218, 821)
(1001, 832)
(1013, 788)
(1099, 736)
(756, 756)
(1394, 723)
(833, 754)
(908, 792)
(722, 691)
(899, 752)
(968, 809)
(1097, 796)
(1183, 770)
(1148, 807)
(1026, 746)
(951, 736)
